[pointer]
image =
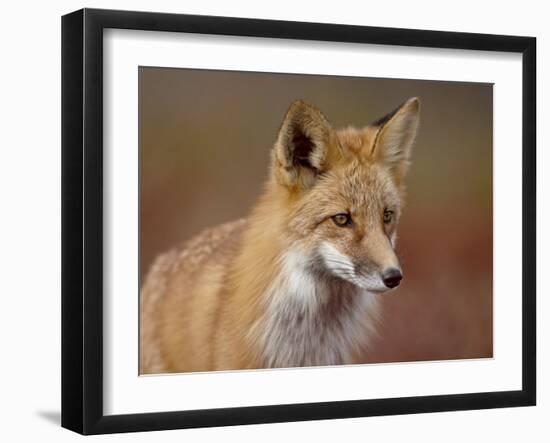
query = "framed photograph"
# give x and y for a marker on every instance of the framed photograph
(269, 221)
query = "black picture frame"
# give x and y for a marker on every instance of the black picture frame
(82, 220)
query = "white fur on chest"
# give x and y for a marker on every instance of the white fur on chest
(312, 320)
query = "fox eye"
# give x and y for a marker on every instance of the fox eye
(388, 216)
(342, 220)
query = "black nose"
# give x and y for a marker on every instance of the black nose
(392, 277)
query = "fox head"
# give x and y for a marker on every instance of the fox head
(344, 191)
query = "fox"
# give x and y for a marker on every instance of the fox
(299, 281)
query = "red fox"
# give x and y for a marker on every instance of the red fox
(296, 283)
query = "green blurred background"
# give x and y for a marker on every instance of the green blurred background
(205, 138)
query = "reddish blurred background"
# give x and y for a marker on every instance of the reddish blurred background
(205, 138)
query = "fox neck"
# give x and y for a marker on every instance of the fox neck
(282, 310)
(313, 319)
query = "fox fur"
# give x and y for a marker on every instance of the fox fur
(297, 282)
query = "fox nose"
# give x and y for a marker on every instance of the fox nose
(392, 277)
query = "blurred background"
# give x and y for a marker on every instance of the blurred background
(205, 138)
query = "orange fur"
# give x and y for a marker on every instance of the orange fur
(287, 286)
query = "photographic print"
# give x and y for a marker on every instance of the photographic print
(270, 221)
(292, 220)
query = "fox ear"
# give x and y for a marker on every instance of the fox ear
(302, 148)
(395, 137)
